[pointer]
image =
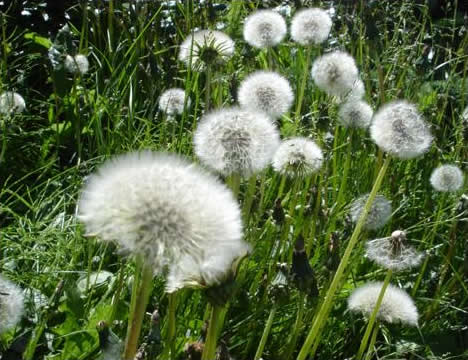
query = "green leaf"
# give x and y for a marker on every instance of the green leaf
(40, 40)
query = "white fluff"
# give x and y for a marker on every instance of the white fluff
(11, 102)
(379, 213)
(335, 73)
(447, 178)
(397, 305)
(264, 28)
(11, 304)
(77, 64)
(355, 113)
(310, 26)
(267, 91)
(298, 157)
(171, 101)
(399, 129)
(164, 208)
(235, 140)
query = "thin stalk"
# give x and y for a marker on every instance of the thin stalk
(209, 351)
(370, 351)
(208, 88)
(233, 181)
(171, 318)
(266, 332)
(297, 328)
(248, 198)
(324, 310)
(4, 141)
(302, 86)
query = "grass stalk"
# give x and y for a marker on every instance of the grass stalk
(266, 332)
(302, 85)
(370, 351)
(209, 351)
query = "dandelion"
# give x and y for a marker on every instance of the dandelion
(172, 101)
(310, 26)
(11, 102)
(379, 213)
(266, 91)
(77, 64)
(11, 304)
(465, 115)
(355, 113)
(447, 178)
(397, 305)
(335, 73)
(206, 47)
(393, 252)
(264, 28)
(399, 129)
(298, 157)
(164, 208)
(235, 140)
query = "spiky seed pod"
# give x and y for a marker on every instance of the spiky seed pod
(11, 304)
(447, 178)
(77, 64)
(397, 305)
(264, 28)
(379, 213)
(235, 140)
(298, 157)
(310, 26)
(335, 73)
(266, 91)
(171, 101)
(393, 252)
(399, 129)
(355, 113)
(206, 47)
(165, 209)
(11, 102)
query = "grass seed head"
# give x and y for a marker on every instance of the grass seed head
(264, 28)
(11, 102)
(379, 213)
(310, 26)
(171, 101)
(447, 178)
(11, 304)
(355, 113)
(77, 64)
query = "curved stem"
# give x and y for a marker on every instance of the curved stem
(266, 332)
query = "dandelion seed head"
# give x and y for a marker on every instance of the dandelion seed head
(11, 102)
(397, 306)
(465, 115)
(266, 91)
(355, 113)
(379, 213)
(206, 47)
(162, 207)
(11, 304)
(171, 101)
(447, 178)
(77, 64)
(399, 129)
(264, 28)
(310, 26)
(335, 73)
(236, 140)
(298, 157)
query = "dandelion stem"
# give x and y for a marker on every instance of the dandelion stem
(266, 332)
(233, 182)
(324, 310)
(209, 351)
(302, 86)
(208, 88)
(297, 328)
(372, 342)
(248, 198)
(171, 332)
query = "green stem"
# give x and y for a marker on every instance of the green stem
(324, 310)
(266, 332)
(171, 329)
(208, 88)
(372, 342)
(209, 351)
(302, 86)
(233, 182)
(248, 198)
(297, 328)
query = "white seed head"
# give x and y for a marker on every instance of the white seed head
(355, 113)
(11, 102)
(171, 101)
(206, 47)
(399, 129)
(465, 115)
(393, 252)
(298, 157)
(357, 92)
(162, 207)
(267, 91)
(447, 178)
(379, 213)
(77, 64)
(264, 28)
(236, 140)
(335, 73)
(397, 306)
(11, 304)
(310, 26)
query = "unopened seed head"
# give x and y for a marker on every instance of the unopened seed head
(11, 102)
(171, 101)
(379, 213)
(355, 113)
(447, 178)
(11, 304)
(264, 28)
(310, 26)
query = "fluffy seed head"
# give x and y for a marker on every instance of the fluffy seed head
(11, 304)
(355, 113)
(11, 102)
(264, 28)
(267, 91)
(465, 115)
(164, 208)
(77, 64)
(397, 305)
(298, 157)
(235, 140)
(399, 129)
(335, 73)
(310, 26)
(393, 252)
(379, 213)
(171, 101)
(447, 178)
(206, 47)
